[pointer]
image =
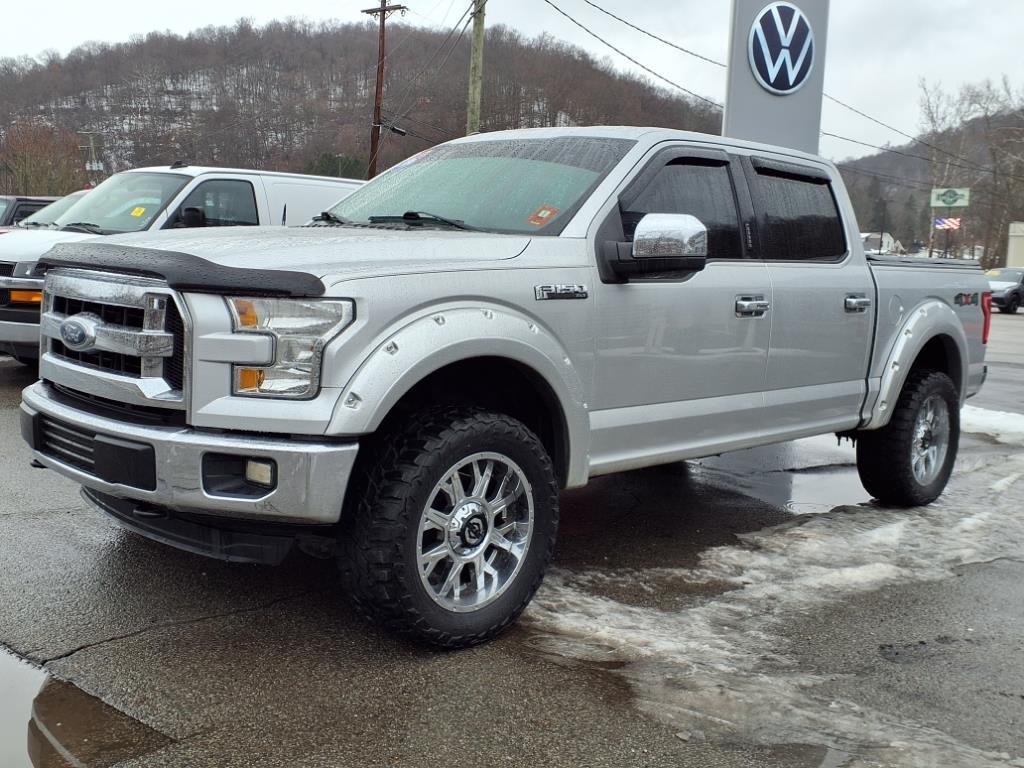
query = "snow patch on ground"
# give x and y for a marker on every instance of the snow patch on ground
(720, 667)
(1004, 426)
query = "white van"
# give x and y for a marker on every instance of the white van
(166, 197)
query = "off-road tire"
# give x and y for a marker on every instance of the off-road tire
(379, 531)
(884, 456)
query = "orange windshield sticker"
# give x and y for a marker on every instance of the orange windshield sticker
(542, 215)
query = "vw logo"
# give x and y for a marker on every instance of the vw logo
(781, 48)
(78, 333)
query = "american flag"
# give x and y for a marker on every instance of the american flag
(947, 223)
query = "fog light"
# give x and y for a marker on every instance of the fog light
(26, 297)
(260, 472)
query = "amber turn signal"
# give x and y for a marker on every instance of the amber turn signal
(26, 297)
(250, 379)
(246, 311)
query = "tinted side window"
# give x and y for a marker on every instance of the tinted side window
(700, 189)
(801, 219)
(222, 203)
(24, 210)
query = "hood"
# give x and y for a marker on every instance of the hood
(30, 244)
(341, 252)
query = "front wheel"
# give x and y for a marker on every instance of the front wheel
(1013, 306)
(908, 462)
(449, 538)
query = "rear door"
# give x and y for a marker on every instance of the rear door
(822, 314)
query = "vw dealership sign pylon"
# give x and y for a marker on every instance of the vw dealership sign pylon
(776, 72)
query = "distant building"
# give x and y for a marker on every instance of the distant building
(889, 244)
(1015, 248)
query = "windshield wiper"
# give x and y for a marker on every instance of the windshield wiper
(35, 224)
(84, 226)
(331, 218)
(418, 217)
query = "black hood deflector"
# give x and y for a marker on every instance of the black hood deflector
(182, 271)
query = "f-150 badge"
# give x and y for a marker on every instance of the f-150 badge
(549, 292)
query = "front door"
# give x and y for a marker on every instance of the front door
(681, 357)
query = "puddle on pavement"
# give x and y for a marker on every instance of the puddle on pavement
(800, 492)
(805, 477)
(48, 723)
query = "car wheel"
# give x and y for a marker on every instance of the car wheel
(449, 536)
(1013, 306)
(908, 462)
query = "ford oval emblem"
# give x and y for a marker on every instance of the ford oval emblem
(78, 333)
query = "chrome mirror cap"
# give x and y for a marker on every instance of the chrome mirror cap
(670, 235)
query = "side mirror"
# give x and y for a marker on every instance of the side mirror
(193, 217)
(670, 236)
(662, 242)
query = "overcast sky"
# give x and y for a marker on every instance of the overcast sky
(878, 50)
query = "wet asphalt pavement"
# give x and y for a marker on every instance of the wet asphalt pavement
(749, 610)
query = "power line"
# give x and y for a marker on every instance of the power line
(651, 34)
(970, 167)
(634, 61)
(894, 180)
(828, 96)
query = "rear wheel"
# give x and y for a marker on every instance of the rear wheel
(908, 462)
(449, 538)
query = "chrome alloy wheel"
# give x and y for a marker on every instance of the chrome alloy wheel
(931, 440)
(475, 531)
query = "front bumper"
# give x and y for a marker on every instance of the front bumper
(164, 464)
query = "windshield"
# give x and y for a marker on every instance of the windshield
(126, 202)
(46, 216)
(506, 185)
(3, 206)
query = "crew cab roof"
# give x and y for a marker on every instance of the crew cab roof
(643, 135)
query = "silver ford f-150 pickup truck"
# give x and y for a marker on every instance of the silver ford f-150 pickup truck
(408, 384)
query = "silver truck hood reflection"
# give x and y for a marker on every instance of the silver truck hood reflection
(334, 252)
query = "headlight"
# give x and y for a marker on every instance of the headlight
(300, 329)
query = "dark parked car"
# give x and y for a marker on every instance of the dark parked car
(13, 209)
(1007, 288)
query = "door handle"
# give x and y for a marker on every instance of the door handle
(857, 303)
(752, 306)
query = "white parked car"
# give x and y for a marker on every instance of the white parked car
(150, 199)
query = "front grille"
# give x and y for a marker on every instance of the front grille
(138, 333)
(174, 367)
(129, 317)
(113, 409)
(6, 270)
(115, 362)
(69, 444)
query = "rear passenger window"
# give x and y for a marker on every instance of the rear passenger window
(700, 189)
(801, 219)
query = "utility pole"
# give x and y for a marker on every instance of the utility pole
(476, 69)
(93, 166)
(382, 14)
